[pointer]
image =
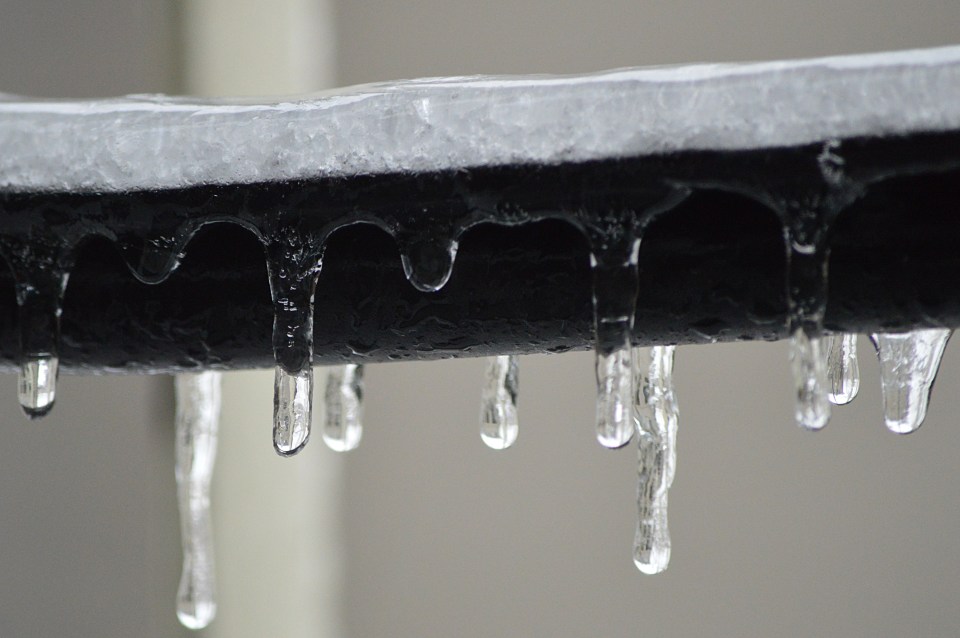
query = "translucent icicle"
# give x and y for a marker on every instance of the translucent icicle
(812, 408)
(614, 389)
(292, 409)
(198, 414)
(343, 418)
(843, 370)
(655, 414)
(498, 408)
(908, 367)
(37, 385)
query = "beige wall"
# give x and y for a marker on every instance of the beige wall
(776, 531)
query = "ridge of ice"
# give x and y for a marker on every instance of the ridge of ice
(155, 142)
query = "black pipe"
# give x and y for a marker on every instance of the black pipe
(711, 264)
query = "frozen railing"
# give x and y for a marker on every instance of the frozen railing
(805, 199)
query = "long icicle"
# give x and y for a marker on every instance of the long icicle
(499, 426)
(843, 370)
(343, 414)
(198, 415)
(908, 367)
(655, 414)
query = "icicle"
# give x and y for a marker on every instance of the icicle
(198, 414)
(498, 408)
(37, 386)
(908, 367)
(429, 264)
(292, 410)
(655, 414)
(812, 409)
(843, 370)
(343, 419)
(614, 298)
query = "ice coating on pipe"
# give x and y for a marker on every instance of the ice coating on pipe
(432, 124)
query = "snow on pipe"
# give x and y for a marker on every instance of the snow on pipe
(826, 161)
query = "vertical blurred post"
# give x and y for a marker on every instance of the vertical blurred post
(276, 521)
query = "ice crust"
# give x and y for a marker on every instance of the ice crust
(156, 142)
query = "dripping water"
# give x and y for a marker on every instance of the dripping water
(37, 385)
(812, 408)
(198, 415)
(292, 409)
(908, 367)
(499, 426)
(655, 414)
(343, 402)
(843, 371)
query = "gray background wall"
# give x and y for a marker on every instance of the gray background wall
(776, 531)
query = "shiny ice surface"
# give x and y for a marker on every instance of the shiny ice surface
(499, 426)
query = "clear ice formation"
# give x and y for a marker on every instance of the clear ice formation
(434, 124)
(812, 408)
(292, 410)
(499, 426)
(843, 371)
(908, 367)
(198, 416)
(614, 391)
(343, 402)
(37, 385)
(655, 414)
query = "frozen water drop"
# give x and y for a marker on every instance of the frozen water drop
(343, 401)
(812, 408)
(292, 407)
(614, 387)
(655, 415)
(499, 426)
(843, 370)
(908, 367)
(429, 264)
(37, 386)
(198, 416)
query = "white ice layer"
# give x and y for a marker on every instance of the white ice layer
(343, 408)
(498, 404)
(198, 416)
(908, 367)
(655, 414)
(143, 142)
(843, 370)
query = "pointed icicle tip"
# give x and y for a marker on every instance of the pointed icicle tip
(499, 425)
(843, 370)
(908, 367)
(292, 408)
(343, 403)
(812, 408)
(37, 385)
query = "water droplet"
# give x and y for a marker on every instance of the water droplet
(429, 264)
(908, 367)
(499, 426)
(614, 389)
(292, 408)
(812, 409)
(343, 419)
(37, 386)
(656, 415)
(843, 370)
(198, 416)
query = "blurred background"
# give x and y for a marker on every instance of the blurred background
(422, 531)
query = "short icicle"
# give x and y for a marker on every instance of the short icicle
(343, 402)
(37, 385)
(812, 407)
(655, 414)
(908, 367)
(499, 426)
(615, 283)
(843, 371)
(198, 415)
(292, 410)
